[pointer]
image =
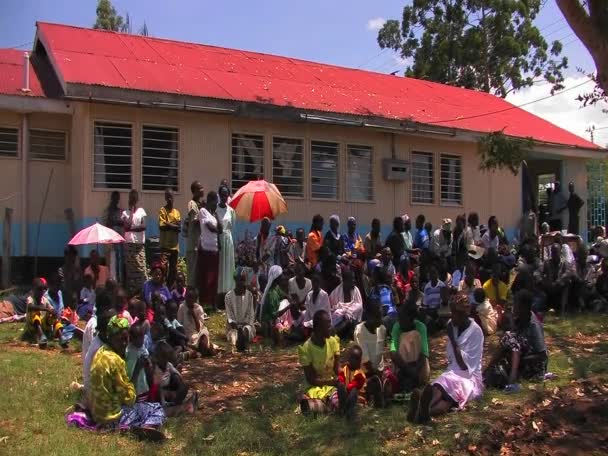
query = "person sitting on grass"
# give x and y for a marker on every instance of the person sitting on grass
(483, 312)
(168, 386)
(496, 290)
(434, 294)
(112, 394)
(353, 378)
(86, 303)
(178, 294)
(383, 292)
(175, 331)
(192, 317)
(299, 287)
(320, 359)
(462, 381)
(276, 315)
(316, 299)
(36, 312)
(121, 303)
(409, 349)
(522, 354)
(156, 284)
(136, 353)
(370, 336)
(240, 313)
(138, 310)
(346, 305)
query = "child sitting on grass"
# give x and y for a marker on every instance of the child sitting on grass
(86, 302)
(240, 314)
(168, 385)
(192, 317)
(178, 294)
(36, 311)
(137, 353)
(175, 330)
(353, 378)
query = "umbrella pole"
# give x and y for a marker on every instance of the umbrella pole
(46, 195)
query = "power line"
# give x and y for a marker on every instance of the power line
(372, 59)
(20, 45)
(511, 107)
(551, 24)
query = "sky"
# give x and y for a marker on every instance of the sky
(339, 32)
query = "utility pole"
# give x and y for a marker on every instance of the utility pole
(591, 131)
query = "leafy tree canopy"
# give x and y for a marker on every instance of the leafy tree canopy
(488, 45)
(107, 17)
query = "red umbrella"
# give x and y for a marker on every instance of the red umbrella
(258, 199)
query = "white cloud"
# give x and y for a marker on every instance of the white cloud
(375, 24)
(563, 109)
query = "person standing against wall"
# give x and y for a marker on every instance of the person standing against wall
(208, 259)
(112, 218)
(227, 217)
(192, 230)
(134, 222)
(169, 222)
(557, 204)
(575, 203)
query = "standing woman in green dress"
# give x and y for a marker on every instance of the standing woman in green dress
(227, 217)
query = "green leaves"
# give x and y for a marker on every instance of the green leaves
(489, 45)
(498, 151)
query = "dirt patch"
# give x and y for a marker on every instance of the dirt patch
(226, 380)
(564, 422)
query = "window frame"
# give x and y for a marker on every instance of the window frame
(133, 165)
(264, 154)
(339, 157)
(434, 183)
(372, 171)
(177, 190)
(450, 203)
(303, 142)
(19, 142)
(66, 146)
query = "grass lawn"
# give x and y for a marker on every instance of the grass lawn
(259, 418)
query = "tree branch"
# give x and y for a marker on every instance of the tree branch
(580, 22)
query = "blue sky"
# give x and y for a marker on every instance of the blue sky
(332, 31)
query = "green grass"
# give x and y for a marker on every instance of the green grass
(35, 393)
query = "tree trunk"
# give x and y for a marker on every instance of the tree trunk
(590, 34)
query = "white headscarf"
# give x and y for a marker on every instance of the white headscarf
(274, 273)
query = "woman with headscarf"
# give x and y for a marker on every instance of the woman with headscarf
(112, 393)
(134, 220)
(462, 381)
(333, 241)
(274, 304)
(314, 241)
(227, 218)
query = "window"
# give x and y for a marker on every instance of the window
(359, 173)
(247, 159)
(47, 145)
(112, 155)
(451, 180)
(288, 166)
(324, 169)
(423, 178)
(160, 166)
(9, 142)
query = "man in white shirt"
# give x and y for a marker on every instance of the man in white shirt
(442, 239)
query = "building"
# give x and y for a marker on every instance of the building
(95, 111)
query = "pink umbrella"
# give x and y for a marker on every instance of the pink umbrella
(258, 199)
(97, 234)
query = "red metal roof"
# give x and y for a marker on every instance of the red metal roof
(11, 75)
(111, 59)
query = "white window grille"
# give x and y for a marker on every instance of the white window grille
(423, 178)
(359, 173)
(451, 180)
(112, 155)
(324, 162)
(160, 158)
(247, 159)
(288, 166)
